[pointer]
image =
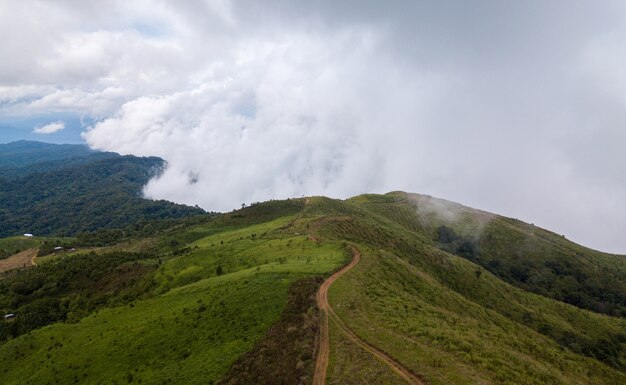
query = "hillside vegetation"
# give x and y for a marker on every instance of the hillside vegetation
(182, 310)
(229, 299)
(522, 254)
(13, 245)
(67, 189)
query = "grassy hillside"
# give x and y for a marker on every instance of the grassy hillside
(522, 254)
(448, 337)
(198, 312)
(415, 299)
(230, 300)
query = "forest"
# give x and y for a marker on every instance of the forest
(69, 189)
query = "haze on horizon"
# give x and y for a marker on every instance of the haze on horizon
(515, 108)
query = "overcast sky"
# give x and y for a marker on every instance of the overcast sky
(513, 107)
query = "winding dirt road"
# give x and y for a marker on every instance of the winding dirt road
(321, 364)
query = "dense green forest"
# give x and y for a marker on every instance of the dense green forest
(66, 189)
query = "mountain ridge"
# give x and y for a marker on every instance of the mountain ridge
(450, 293)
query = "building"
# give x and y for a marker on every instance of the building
(28, 235)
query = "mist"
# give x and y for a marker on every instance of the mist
(515, 109)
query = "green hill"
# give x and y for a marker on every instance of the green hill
(519, 253)
(60, 190)
(230, 300)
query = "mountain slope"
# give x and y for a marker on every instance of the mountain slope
(52, 195)
(203, 307)
(521, 254)
(216, 299)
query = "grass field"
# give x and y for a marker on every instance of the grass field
(448, 338)
(351, 365)
(184, 338)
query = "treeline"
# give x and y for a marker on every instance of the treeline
(141, 229)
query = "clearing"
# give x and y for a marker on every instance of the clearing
(22, 259)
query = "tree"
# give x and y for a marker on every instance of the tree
(446, 235)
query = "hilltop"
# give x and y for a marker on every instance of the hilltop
(448, 294)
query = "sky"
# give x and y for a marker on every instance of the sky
(512, 107)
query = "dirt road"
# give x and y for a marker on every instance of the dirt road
(23, 259)
(321, 364)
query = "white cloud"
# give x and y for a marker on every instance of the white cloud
(49, 128)
(281, 118)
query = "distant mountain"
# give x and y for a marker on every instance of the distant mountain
(52, 189)
(26, 157)
(26, 152)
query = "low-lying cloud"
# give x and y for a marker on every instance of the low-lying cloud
(49, 128)
(515, 108)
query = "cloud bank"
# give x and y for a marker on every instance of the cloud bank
(512, 108)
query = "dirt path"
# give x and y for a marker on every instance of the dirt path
(23, 259)
(321, 364)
